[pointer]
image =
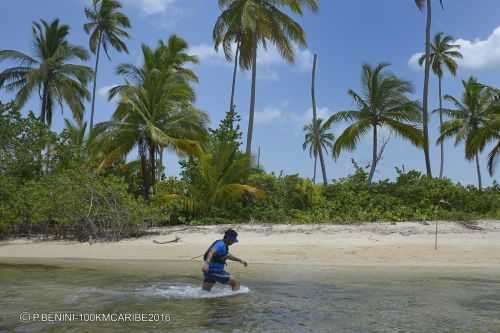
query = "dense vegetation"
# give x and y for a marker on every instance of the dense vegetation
(86, 182)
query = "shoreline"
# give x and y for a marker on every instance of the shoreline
(402, 244)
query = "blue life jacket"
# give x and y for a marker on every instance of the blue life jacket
(219, 257)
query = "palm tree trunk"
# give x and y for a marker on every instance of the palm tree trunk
(315, 168)
(235, 72)
(441, 166)
(144, 173)
(45, 120)
(315, 118)
(95, 84)
(152, 162)
(375, 157)
(160, 152)
(425, 116)
(478, 167)
(252, 98)
(43, 111)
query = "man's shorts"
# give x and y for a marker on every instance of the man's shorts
(217, 276)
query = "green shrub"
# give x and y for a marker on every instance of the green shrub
(78, 205)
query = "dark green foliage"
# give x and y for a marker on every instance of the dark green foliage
(412, 196)
(73, 204)
(22, 144)
(53, 192)
(229, 130)
(167, 193)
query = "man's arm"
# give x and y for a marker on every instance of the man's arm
(209, 258)
(233, 258)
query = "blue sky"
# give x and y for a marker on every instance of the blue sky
(345, 34)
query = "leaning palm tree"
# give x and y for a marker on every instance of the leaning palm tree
(49, 73)
(443, 55)
(254, 23)
(471, 120)
(317, 137)
(421, 4)
(107, 28)
(384, 101)
(155, 111)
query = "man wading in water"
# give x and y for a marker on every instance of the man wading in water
(215, 260)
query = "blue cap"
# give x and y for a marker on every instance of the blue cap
(231, 235)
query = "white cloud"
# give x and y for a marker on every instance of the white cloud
(322, 112)
(478, 54)
(413, 62)
(304, 60)
(264, 73)
(151, 7)
(271, 57)
(268, 115)
(205, 51)
(282, 113)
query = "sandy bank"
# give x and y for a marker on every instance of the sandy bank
(384, 244)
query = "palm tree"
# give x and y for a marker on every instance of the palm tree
(49, 72)
(227, 32)
(155, 111)
(495, 152)
(314, 120)
(443, 54)
(221, 176)
(383, 102)
(317, 137)
(75, 136)
(491, 132)
(470, 120)
(421, 4)
(106, 27)
(76, 132)
(251, 23)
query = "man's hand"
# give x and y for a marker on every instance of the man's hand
(205, 267)
(233, 258)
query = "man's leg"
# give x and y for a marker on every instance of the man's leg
(235, 284)
(207, 286)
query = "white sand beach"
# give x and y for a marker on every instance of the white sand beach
(370, 244)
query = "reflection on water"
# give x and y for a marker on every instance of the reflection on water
(326, 301)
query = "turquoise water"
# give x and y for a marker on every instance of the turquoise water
(273, 299)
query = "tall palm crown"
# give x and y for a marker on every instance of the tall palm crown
(155, 111)
(471, 114)
(317, 137)
(383, 101)
(421, 4)
(49, 72)
(107, 28)
(471, 118)
(261, 22)
(443, 55)
(166, 60)
(254, 23)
